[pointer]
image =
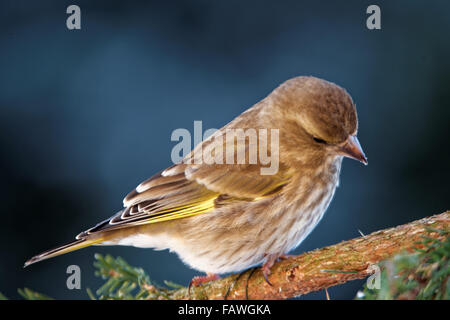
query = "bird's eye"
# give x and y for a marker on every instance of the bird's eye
(318, 140)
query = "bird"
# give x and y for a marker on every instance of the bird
(227, 216)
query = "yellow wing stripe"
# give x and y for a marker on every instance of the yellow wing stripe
(204, 203)
(191, 209)
(182, 212)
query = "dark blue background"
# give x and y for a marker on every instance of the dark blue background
(86, 115)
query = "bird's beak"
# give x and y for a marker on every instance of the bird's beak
(352, 149)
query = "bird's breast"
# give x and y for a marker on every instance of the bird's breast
(309, 203)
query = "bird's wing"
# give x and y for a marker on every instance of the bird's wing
(189, 189)
(179, 193)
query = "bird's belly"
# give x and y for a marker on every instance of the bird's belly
(235, 250)
(238, 244)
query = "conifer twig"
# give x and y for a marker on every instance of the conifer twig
(421, 275)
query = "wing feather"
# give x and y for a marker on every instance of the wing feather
(184, 190)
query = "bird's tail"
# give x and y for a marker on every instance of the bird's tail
(72, 246)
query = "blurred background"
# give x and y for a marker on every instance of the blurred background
(86, 115)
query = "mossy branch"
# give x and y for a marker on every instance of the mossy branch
(422, 275)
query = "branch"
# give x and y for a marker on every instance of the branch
(322, 268)
(427, 273)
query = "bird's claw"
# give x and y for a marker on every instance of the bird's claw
(266, 273)
(270, 261)
(197, 281)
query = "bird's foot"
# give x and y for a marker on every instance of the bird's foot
(197, 281)
(270, 261)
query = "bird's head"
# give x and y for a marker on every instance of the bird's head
(320, 116)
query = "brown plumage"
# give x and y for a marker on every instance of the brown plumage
(221, 217)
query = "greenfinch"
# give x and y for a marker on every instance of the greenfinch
(230, 205)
